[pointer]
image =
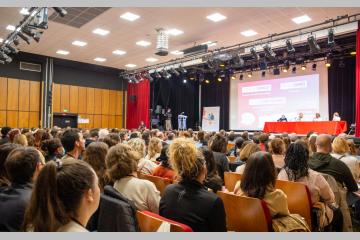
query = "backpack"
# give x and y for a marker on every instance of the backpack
(290, 223)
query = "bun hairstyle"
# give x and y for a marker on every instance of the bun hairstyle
(50, 146)
(186, 159)
(57, 194)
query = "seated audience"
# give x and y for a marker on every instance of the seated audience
(165, 169)
(103, 133)
(277, 150)
(245, 136)
(111, 139)
(12, 134)
(263, 139)
(219, 147)
(170, 138)
(154, 149)
(189, 202)
(4, 135)
(93, 136)
(144, 166)
(73, 143)
(65, 196)
(121, 164)
(231, 137)
(52, 149)
(21, 140)
(23, 166)
(30, 139)
(95, 155)
(258, 181)
(245, 153)
(336, 116)
(201, 138)
(237, 148)
(5, 150)
(213, 181)
(353, 149)
(317, 118)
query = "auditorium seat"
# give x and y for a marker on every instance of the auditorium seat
(298, 198)
(231, 158)
(244, 214)
(160, 183)
(230, 146)
(150, 222)
(230, 179)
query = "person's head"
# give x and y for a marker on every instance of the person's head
(65, 190)
(171, 136)
(72, 140)
(245, 136)
(5, 131)
(317, 115)
(111, 139)
(277, 146)
(94, 134)
(123, 136)
(336, 114)
(201, 136)
(23, 165)
(164, 157)
(121, 161)
(146, 137)
(20, 139)
(155, 147)
(103, 133)
(255, 139)
(187, 161)
(138, 145)
(222, 132)
(38, 134)
(259, 175)
(218, 143)
(30, 139)
(239, 142)
(301, 115)
(263, 138)
(296, 160)
(191, 132)
(248, 150)
(135, 134)
(52, 147)
(323, 144)
(95, 155)
(210, 161)
(231, 136)
(352, 147)
(5, 150)
(153, 132)
(340, 146)
(160, 135)
(12, 134)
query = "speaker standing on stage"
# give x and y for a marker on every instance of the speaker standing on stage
(336, 117)
(282, 119)
(168, 115)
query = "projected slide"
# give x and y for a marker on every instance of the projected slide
(265, 101)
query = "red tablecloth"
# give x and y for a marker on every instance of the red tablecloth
(329, 127)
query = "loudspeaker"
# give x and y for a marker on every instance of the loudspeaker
(132, 98)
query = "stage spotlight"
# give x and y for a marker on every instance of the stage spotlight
(331, 38)
(313, 67)
(12, 49)
(149, 77)
(276, 71)
(303, 67)
(182, 70)
(35, 35)
(314, 46)
(5, 58)
(166, 74)
(263, 73)
(241, 77)
(222, 65)
(238, 60)
(249, 74)
(207, 81)
(263, 65)
(23, 37)
(289, 47)
(328, 63)
(184, 80)
(233, 77)
(353, 53)
(173, 71)
(269, 53)
(254, 54)
(61, 11)
(285, 70)
(157, 74)
(293, 69)
(219, 79)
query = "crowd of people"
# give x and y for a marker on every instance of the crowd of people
(53, 179)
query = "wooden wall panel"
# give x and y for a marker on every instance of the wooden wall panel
(13, 98)
(118, 101)
(12, 118)
(112, 123)
(112, 102)
(74, 99)
(98, 103)
(35, 96)
(118, 121)
(23, 119)
(97, 121)
(91, 121)
(104, 121)
(82, 100)
(2, 118)
(34, 120)
(3, 94)
(65, 97)
(56, 97)
(24, 95)
(90, 100)
(105, 95)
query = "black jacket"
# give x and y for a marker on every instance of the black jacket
(222, 163)
(4, 140)
(13, 202)
(190, 203)
(325, 163)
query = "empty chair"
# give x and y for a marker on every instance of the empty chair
(151, 222)
(160, 183)
(231, 158)
(230, 179)
(244, 214)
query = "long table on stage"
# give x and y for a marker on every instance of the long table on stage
(328, 127)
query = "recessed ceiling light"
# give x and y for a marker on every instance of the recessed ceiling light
(130, 65)
(119, 52)
(177, 52)
(101, 32)
(79, 43)
(24, 11)
(151, 59)
(209, 43)
(10, 27)
(174, 32)
(62, 52)
(216, 17)
(301, 19)
(130, 16)
(143, 43)
(1, 40)
(249, 33)
(99, 59)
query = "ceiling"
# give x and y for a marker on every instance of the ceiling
(192, 21)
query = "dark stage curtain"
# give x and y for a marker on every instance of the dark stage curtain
(217, 94)
(138, 104)
(341, 90)
(357, 133)
(179, 96)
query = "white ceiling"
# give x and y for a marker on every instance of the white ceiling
(192, 21)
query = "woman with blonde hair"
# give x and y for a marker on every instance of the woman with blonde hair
(21, 140)
(245, 154)
(189, 202)
(144, 165)
(154, 149)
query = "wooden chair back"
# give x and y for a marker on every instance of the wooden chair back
(160, 183)
(230, 179)
(230, 146)
(150, 222)
(244, 214)
(231, 158)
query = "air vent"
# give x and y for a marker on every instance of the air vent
(26, 66)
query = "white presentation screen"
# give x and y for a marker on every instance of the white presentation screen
(256, 101)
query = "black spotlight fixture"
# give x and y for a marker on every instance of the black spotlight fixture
(35, 35)
(149, 77)
(313, 67)
(263, 73)
(263, 64)
(157, 74)
(289, 47)
(293, 70)
(182, 70)
(23, 37)
(175, 72)
(269, 53)
(238, 60)
(314, 46)
(276, 70)
(254, 54)
(166, 74)
(331, 37)
(241, 77)
(16, 41)
(61, 11)
(4, 57)
(12, 49)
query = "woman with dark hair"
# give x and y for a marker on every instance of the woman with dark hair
(213, 181)
(5, 150)
(296, 169)
(218, 145)
(164, 170)
(277, 150)
(52, 149)
(65, 196)
(258, 181)
(245, 153)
